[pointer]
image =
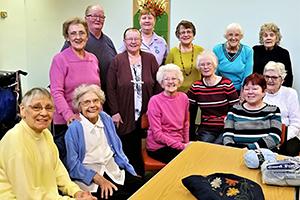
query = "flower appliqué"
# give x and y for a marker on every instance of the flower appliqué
(216, 183)
(232, 192)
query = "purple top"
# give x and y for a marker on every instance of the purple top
(168, 121)
(67, 72)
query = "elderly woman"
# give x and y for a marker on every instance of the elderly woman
(235, 58)
(29, 164)
(214, 95)
(168, 115)
(151, 42)
(69, 69)
(269, 50)
(287, 100)
(95, 159)
(185, 54)
(253, 123)
(131, 83)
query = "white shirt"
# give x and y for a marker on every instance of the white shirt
(98, 154)
(287, 100)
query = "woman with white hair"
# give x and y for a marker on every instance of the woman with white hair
(214, 95)
(168, 114)
(287, 100)
(235, 58)
(95, 158)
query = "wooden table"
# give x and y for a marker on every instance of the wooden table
(201, 158)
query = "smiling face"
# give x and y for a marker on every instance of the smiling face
(147, 22)
(253, 94)
(186, 35)
(95, 19)
(274, 81)
(38, 114)
(170, 83)
(269, 39)
(90, 106)
(206, 67)
(132, 41)
(233, 37)
(77, 36)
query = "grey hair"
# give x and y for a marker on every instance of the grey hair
(169, 68)
(35, 93)
(234, 26)
(269, 27)
(277, 67)
(82, 90)
(207, 54)
(87, 10)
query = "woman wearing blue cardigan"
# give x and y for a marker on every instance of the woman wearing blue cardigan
(95, 159)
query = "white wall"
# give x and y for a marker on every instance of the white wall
(31, 34)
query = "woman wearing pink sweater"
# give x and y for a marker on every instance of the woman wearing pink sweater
(168, 132)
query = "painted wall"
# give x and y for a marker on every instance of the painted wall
(31, 35)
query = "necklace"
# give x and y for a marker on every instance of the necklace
(192, 61)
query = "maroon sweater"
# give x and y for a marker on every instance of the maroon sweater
(120, 91)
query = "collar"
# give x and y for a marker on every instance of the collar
(90, 126)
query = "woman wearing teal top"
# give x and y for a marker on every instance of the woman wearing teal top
(235, 59)
(185, 54)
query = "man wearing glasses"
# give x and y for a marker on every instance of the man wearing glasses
(98, 43)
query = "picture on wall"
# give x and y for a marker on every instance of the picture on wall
(162, 10)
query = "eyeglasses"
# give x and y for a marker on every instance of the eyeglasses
(94, 17)
(133, 39)
(173, 79)
(186, 32)
(89, 102)
(274, 78)
(80, 33)
(39, 108)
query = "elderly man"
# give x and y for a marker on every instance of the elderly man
(29, 164)
(98, 43)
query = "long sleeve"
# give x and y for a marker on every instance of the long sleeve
(30, 167)
(293, 115)
(74, 146)
(248, 63)
(288, 81)
(158, 134)
(193, 108)
(112, 87)
(57, 87)
(229, 129)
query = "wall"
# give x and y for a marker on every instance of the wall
(31, 35)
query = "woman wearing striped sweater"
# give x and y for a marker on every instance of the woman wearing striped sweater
(215, 95)
(253, 123)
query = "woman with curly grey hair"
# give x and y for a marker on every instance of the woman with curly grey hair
(95, 158)
(269, 50)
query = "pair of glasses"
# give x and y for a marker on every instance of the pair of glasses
(39, 108)
(171, 79)
(79, 33)
(274, 78)
(133, 39)
(186, 32)
(90, 102)
(94, 17)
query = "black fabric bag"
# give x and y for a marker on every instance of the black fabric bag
(220, 186)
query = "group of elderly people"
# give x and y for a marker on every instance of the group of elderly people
(101, 147)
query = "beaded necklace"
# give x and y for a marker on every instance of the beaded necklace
(192, 61)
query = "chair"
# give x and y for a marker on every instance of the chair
(150, 164)
(283, 133)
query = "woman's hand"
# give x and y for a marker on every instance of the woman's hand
(84, 195)
(72, 118)
(117, 119)
(107, 187)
